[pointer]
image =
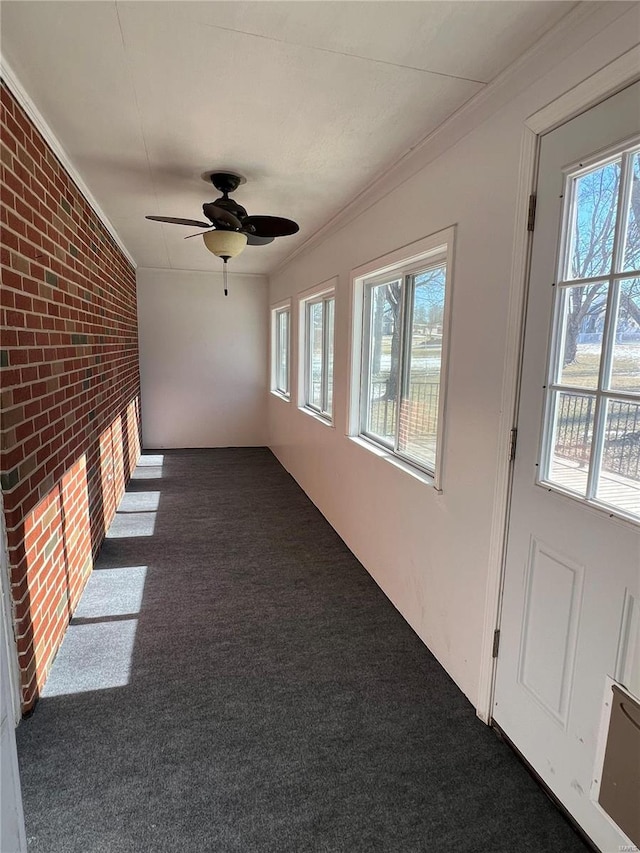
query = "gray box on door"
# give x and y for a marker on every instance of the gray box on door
(620, 784)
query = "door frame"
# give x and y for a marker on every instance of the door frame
(614, 77)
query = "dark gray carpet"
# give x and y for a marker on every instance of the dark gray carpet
(233, 680)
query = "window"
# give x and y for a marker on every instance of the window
(591, 444)
(280, 346)
(317, 385)
(403, 355)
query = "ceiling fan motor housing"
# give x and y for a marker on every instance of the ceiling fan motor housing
(231, 206)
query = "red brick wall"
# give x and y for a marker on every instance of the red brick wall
(70, 388)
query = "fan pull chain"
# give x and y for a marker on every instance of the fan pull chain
(225, 276)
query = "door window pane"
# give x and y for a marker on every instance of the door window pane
(619, 480)
(625, 371)
(594, 220)
(632, 237)
(418, 427)
(583, 315)
(315, 332)
(384, 360)
(573, 417)
(591, 445)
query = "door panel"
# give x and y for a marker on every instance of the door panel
(553, 589)
(572, 578)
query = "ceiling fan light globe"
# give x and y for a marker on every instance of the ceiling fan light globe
(227, 244)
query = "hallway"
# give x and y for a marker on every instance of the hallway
(234, 681)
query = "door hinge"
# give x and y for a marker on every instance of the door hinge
(496, 643)
(531, 219)
(512, 444)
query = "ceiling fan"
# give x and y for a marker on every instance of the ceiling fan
(230, 228)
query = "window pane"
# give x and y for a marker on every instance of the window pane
(572, 435)
(594, 219)
(632, 249)
(329, 320)
(282, 356)
(384, 360)
(314, 395)
(418, 428)
(625, 372)
(583, 310)
(619, 481)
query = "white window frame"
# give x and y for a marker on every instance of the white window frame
(320, 294)
(276, 312)
(430, 251)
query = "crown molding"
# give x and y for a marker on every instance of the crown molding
(208, 273)
(19, 92)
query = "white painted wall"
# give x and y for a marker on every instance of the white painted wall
(203, 359)
(431, 552)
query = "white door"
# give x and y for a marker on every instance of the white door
(571, 602)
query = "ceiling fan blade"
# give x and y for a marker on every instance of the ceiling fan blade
(198, 234)
(269, 226)
(253, 240)
(174, 220)
(220, 217)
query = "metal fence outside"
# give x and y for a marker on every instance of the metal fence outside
(574, 430)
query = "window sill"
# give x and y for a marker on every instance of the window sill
(317, 416)
(286, 398)
(394, 460)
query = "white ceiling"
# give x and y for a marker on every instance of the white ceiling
(309, 100)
